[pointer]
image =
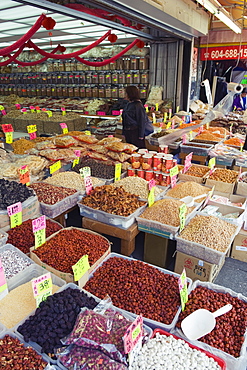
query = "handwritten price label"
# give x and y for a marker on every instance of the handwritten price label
(15, 214)
(187, 162)
(100, 113)
(88, 184)
(156, 107)
(7, 128)
(81, 267)
(182, 215)
(174, 171)
(42, 287)
(183, 290)
(115, 112)
(9, 137)
(64, 127)
(3, 282)
(118, 168)
(40, 238)
(55, 167)
(31, 129)
(151, 197)
(24, 175)
(24, 110)
(211, 163)
(154, 117)
(133, 334)
(165, 116)
(184, 139)
(37, 109)
(3, 111)
(168, 125)
(32, 108)
(63, 111)
(39, 223)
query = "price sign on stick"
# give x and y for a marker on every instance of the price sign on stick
(3, 111)
(118, 168)
(151, 196)
(81, 267)
(39, 230)
(187, 162)
(31, 129)
(183, 290)
(64, 127)
(63, 111)
(42, 287)
(24, 175)
(133, 334)
(15, 214)
(9, 137)
(182, 215)
(7, 127)
(3, 282)
(76, 161)
(55, 167)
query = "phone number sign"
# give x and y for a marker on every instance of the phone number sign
(224, 52)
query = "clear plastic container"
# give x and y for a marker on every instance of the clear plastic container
(57, 209)
(4, 238)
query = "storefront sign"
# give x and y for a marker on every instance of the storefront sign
(224, 52)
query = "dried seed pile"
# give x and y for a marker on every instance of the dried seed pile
(137, 186)
(13, 263)
(210, 231)
(70, 180)
(186, 188)
(165, 211)
(221, 174)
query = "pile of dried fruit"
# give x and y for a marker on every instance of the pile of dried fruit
(12, 192)
(112, 200)
(197, 171)
(50, 194)
(137, 186)
(224, 175)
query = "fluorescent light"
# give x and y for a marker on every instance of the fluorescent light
(216, 11)
(67, 37)
(71, 24)
(19, 12)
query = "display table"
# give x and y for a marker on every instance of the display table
(62, 218)
(127, 236)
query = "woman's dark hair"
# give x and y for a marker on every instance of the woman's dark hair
(244, 90)
(132, 92)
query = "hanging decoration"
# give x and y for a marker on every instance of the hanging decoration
(48, 23)
(140, 44)
(112, 38)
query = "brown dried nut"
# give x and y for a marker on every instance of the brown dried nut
(224, 175)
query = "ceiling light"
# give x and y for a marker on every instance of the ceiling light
(218, 13)
(66, 37)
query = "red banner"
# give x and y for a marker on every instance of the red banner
(224, 52)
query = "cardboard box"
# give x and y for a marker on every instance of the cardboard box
(226, 210)
(185, 177)
(221, 186)
(241, 188)
(233, 198)
(196, 269)
(69, 278)
(239, 247)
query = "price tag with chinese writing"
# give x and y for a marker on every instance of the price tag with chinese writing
(9, 137)
(190, 136)
(42, 287)
(87, 132)
(63, 111)
(3, 282)
(174, 171)
(184, 139)
(24, 110)
(88, 184)
(31, 129)
(211, 163)
(32, 108)
(115, 112)
(77, 160)
(49, 113)
(133, 334)
(24, 175)
(187, 162)
(182, 215)
(183, 290)
(173, 181)
(37, 109)
(170, 113)
(15, 214)
(118, 168)
(156, 107)
(168, 125)
(55, 167)
(39, 237)
(3, 111)
(81, 267)
(7, 128)
(64, 127)
(39, 223)
(154, 118)
(165, 116)
(100, 113)
(151, 196)
(85, 172)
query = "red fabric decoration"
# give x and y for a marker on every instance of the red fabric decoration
(24, 38)
(48, 23)
(28, 64)
(140, 44)
(112, 38)
(12, 58)
(107, 61)
(71, 55)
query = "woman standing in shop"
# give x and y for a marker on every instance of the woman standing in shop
(135, 119)
(240, 101)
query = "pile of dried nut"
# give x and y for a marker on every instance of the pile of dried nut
(210, 231)
(136, 185)
(197, 171)
(112, 200)
(224, 175)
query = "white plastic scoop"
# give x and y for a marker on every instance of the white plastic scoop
(189, 201)
(202, 322)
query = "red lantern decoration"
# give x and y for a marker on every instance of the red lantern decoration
(48, 23)
(140, 44)
(112, 38)
(62, 49)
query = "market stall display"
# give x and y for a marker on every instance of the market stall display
(187, 188)
(138, 186)
(13, 260)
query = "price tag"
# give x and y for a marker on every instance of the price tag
(18, 106)
(168, 125)
(42, 287)
(177, 110)
(87, 132)
(151, 197)
(9, 137)
(183, 290)
(24, 175)
(241, 145)
(63, 111)
(3, 110)
(191, 135)
(7, 128)
(100, 113)
(115, 112)
(133, 334)
(146, 107)
(173, 181)
(39, 223)
(85, 172)
(182, 215)
(187, 162)
(88, 184)
(37, 109)
(170, 113)
(49, 113)
(211, 163)
(31, 129)
(81, 267)
(55, 167)
(154, 118)
(40, 238)
(174, 171)
(118, 168)
(173, 123)
(209, 196)
(77, 160)
(184, 138)
(207, 125)
(24, 110)
(3, 282)
(165, 116)
(15, 214)
(156, 107)
(32, 108)
(64, 127)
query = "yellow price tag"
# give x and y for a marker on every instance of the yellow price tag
(182, 284)
(174, 171)
(136, 332)
(49, 113)
(165, 116)
(182, 215)
(87, 132)
(81, 267)
(154, 118)
(55, 167)
(40, 237)
(177, 109)
(151, 197)
(9, 137)
(211, 163)
(31, 129)
(146, 107)
(168, 125)
(118, 168)
(156, 107)
(190, 135)
(75, 162)
(16, 220)
(207, 125)
(65, 130)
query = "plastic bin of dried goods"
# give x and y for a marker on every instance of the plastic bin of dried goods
(51, 206)
(197, 148)
(195, 173)
(242, 184)
(3, 238)
(220, 234)
(52, 248)
(135, 288)
(224, 180)
(17, 356)
(227, 341)
(20, 300)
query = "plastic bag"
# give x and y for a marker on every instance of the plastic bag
(98, 156)
(90, 139)
(108, 140)
(121, 147)
(120, 157)
(65, 141)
